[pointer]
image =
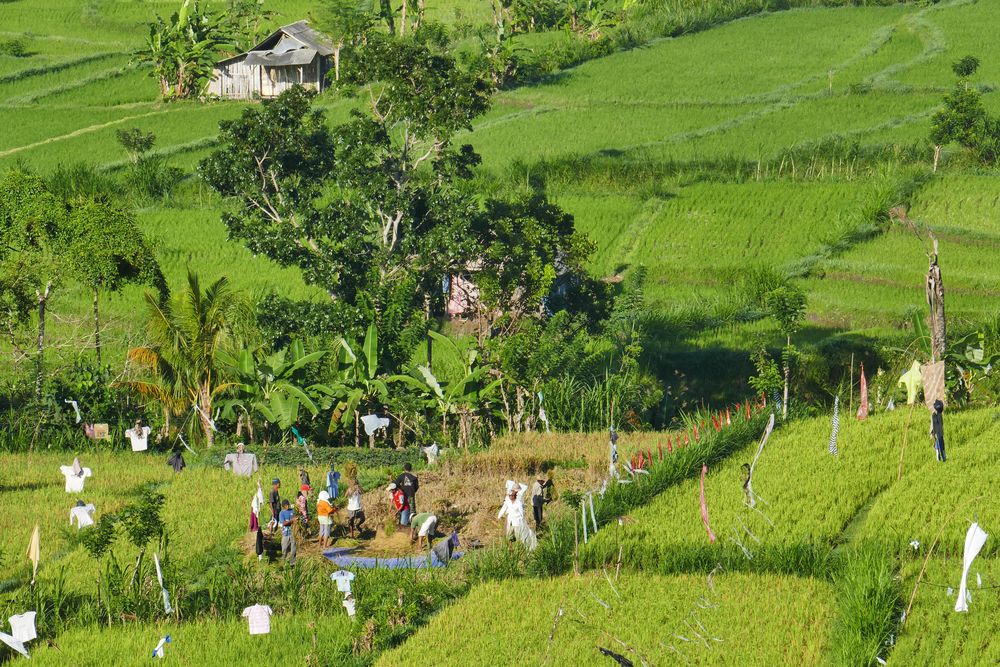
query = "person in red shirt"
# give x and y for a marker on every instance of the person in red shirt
(400, 504)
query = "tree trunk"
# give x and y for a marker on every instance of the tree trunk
(387, 15)
(336, 61)
(97, 329)
(784, 401)
(402, 20)
(43, 298)
(357, 431)
(935, 299)
(205, 414)
(420, 14)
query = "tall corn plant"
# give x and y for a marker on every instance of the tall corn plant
(184, 355)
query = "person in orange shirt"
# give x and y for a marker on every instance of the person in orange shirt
(324, 513)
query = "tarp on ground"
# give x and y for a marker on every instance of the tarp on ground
(341, 557)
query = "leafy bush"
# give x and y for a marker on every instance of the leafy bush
(15, 48)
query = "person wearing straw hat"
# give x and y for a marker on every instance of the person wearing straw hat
(538, 497)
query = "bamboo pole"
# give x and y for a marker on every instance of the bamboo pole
(930, 551)
(906, 433)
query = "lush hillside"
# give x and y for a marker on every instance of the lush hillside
(683, 155)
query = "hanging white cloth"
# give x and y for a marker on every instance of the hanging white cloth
(76, 408)
(22, 627)
(343, 579)
(75, 476)
(374, 423)
(167, 609)
(975, 538)
(431, 453)
(83, 515)
(14, 644)
(158, 651)
(139, 437)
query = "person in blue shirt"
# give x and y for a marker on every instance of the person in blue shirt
(333, 483)
(286, 520)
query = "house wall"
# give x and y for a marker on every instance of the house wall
(236, 80)
(276, 80)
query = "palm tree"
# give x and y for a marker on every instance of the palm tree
(186, 341)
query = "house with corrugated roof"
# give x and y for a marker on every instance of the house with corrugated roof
(292, 55)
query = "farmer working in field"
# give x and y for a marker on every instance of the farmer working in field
(324, 514)
(287, 520)
(513, 507)
(355, 512)
(399, 504)
(275, 504)
(409, 484)
(422, 528)
(538, 498)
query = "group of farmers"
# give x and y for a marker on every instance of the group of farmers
(291, 517)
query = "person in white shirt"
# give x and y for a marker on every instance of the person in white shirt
(138, 435)
(83, 515)
(513, 508)
(355, 512)
(259, 619)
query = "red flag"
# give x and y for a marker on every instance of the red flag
(704, 507)
(763, 400)
(659, 446)
(649, 456)
(696, 432)
(715, 423)
(670, 447)
(748, 409)
(729, 422)
(863, 407)
(686, 441)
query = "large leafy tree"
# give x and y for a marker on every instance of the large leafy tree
(33, 233)
(376, 211)
(108, 251)
(184, 354)
(527, 249)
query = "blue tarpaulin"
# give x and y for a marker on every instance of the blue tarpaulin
(341, 557)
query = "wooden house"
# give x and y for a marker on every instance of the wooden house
(294, 54)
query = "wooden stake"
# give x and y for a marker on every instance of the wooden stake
(850, 405)
(576, 547)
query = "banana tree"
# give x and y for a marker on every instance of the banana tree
(966, 361)
(357, 382)
(269, 387)
(461, 396)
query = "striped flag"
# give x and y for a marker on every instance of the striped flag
(836, 425)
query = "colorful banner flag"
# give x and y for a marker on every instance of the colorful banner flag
(863, 406)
